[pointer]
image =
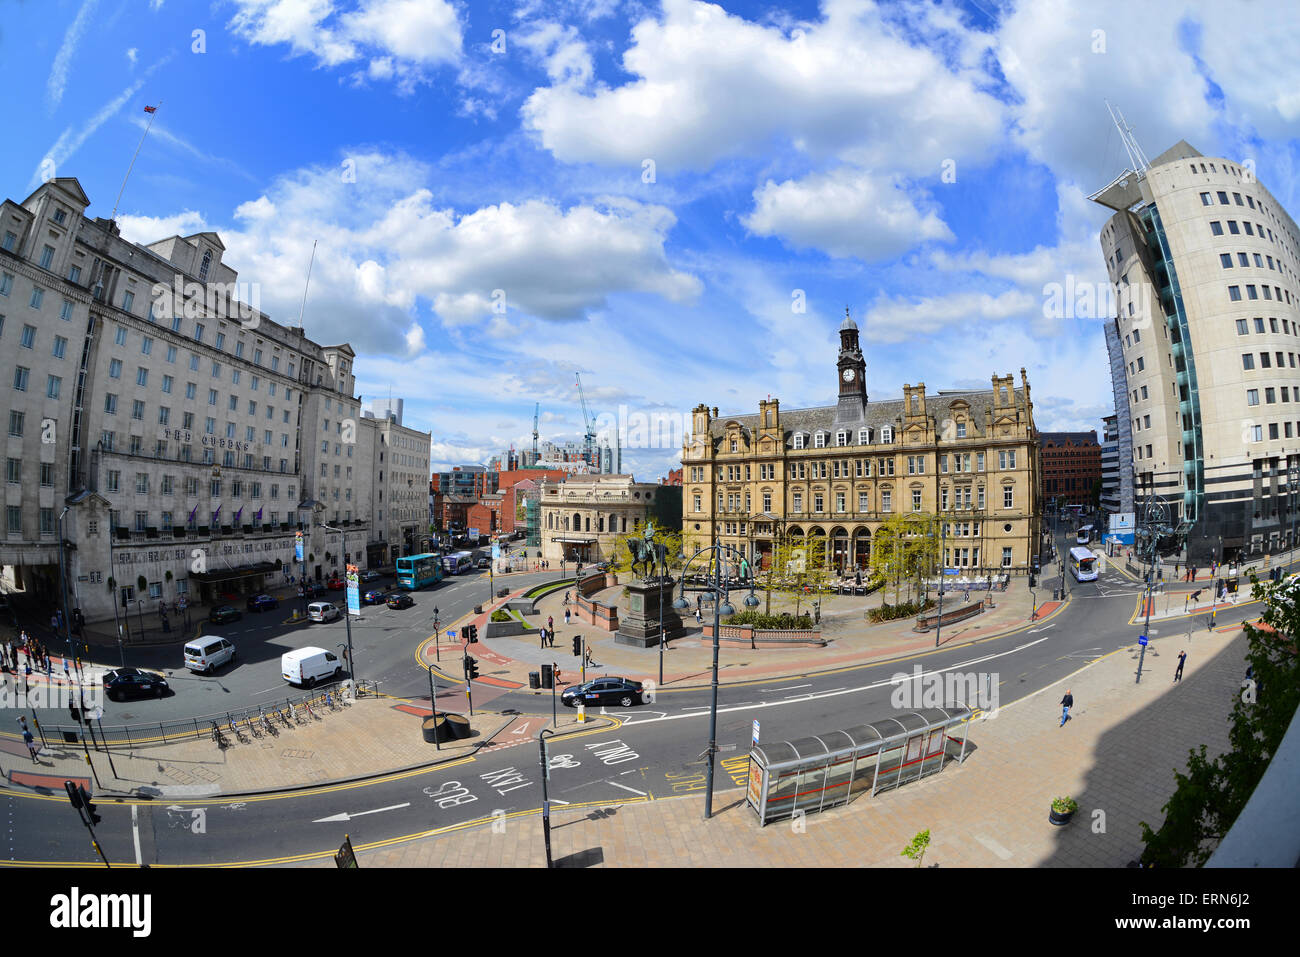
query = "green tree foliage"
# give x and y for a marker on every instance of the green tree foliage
(670, 540)
(916, 850)
(1210, 796)
(905, 549)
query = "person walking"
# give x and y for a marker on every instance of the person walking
(566, 616)
(1066, 704)
(550, 622)
(1182, 659)
(541, 634)
(32, 747)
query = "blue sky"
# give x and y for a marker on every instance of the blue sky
(676, 199)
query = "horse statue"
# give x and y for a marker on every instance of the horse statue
(647, 553)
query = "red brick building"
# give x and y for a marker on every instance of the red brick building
(674, 478)
(1071, 466)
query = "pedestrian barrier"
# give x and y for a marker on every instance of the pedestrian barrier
(337, 696)
(812, 774)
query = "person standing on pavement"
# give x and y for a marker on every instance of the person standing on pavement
(1066, 704)
(32, 748)
(541, 634)
(1182, 658)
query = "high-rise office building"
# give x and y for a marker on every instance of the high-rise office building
(1204, 348)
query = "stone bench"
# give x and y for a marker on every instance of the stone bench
(960, 613)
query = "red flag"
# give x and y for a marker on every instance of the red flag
(150, 109)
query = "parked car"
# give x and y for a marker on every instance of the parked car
(262, 603)
(208, 653)
(122, 683)
(374, 597)
(371, 576)
(399, 599)
(335, 584)
(483, 563)
(602, 691)
(322, 611)
(312, 589)
(223, 614)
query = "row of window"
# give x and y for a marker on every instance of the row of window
(1253, 293)
(1288, 327)
(861, 468)
(1266, 360)
(961, 498)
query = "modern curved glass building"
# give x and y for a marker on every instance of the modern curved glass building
(1205, 347)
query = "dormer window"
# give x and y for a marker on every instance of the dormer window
(60, 215)
(961, 430)
(207, 262)
(887, 433)
(819, 440)
(733, 445)
(798, 440)
(842, 437)
(864, 436)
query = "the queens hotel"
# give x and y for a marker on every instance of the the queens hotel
(836, 474)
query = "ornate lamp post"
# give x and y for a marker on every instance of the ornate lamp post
(718, 589)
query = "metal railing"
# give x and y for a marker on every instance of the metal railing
(199, 726)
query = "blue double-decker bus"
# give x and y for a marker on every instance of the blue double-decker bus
(417, 571)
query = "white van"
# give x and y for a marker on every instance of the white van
(306, 666)
(208, 653)
(322, 611)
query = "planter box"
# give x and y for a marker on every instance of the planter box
(960, 613)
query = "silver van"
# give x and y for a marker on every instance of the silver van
(322, 611)
(208, 653)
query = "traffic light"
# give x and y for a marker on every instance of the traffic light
(471, 668)
(577, 645)
(471, 633)
(81, 800)
(1033, 580)
(548, 678)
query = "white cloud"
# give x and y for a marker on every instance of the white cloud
(707, 85)
(893, 319)
(560, 50)
(131, 55)
(401, 40)
(150, 229)
(58, 78)
(847, 213)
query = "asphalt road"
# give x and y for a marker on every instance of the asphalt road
(656, 752)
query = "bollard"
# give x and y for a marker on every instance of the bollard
(582, 713)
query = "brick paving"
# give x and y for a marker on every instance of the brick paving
(1116, 757)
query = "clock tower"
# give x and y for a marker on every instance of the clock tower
(852, 369)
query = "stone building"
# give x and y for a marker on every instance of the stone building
(834, 474)
(585, 515)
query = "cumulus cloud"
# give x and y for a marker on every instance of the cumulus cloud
(401, 40)
(848, 213)
(707, 85)
(895, 319)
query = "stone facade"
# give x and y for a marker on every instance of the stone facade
(837, 473)
(588, 514)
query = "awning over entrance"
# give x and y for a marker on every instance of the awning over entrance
(575, 541)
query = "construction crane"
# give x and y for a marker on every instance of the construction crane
(588, 423)
(536, 409)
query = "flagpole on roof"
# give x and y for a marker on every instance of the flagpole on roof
(151, 110)
(311, 262)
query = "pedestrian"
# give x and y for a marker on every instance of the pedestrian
(550, 622)
(1195, 596)
(1182, 658)
(699, 618)
(542, 635)
(1066, 704)
(32, 747)
(566, 616)
(550, 637)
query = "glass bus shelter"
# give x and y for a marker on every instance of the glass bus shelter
(819, 772)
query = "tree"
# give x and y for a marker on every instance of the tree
(904, 548)
(1210, 796)
(916, 850)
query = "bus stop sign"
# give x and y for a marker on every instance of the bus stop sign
(1142, 639)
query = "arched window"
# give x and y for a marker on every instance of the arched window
(577, 521)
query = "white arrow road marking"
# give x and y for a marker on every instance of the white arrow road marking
(831, 694)
(345, 816)
(558, 801)
(522, 729)
(625, 787)
(135, 833)
(1034, 631)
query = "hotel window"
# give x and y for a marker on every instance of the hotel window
(142, 376)
(1248, 360)
(1225, 260)
(1252, 397)
(128, 300)
(961, 426)
(1265, 361)
(38, 295)
(798, 440)
(818, 502)
(1216, 228)
(1252, 292)
(842, 437)
(1270, 396)
(864, 502)
(916, 499)
(137, 410)
(796, 502)
(6, 284)
(839, 501)
(1006, 557)
(1234, 293)
(819, 440)
(65, 313)
(1242, 327)
(1272, 430)
(886, 500)
(864, 436)
(1206, 200)
(1223, 198)
(981, 497)
(1008, 497)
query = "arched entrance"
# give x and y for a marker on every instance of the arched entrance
(862, 548)
(839, 542)
(818, 548)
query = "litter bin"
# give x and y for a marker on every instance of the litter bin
(534, 680)
(457, 726)
(435, 729)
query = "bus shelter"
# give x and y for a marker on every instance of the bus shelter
(819, 772)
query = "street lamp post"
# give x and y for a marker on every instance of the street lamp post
(347, 614)
(720, 607)
(943, 544)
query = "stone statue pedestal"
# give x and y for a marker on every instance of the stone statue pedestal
(639, 625)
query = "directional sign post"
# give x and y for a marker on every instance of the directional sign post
(1142, 640)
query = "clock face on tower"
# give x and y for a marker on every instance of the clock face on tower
(848, 375)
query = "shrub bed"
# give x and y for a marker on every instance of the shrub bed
(907, 609)
(784, 622)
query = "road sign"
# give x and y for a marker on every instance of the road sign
(755, 732)
(451, 635)
(1142, 639)
(950, 571)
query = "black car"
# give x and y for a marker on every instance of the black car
(399, 600)
(219, 616)
(262, 603)
(374, 597)
(623, 692)
(122, 683)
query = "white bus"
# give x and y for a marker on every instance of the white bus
(1083, 564)
(1085, 535)
(457, 563)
